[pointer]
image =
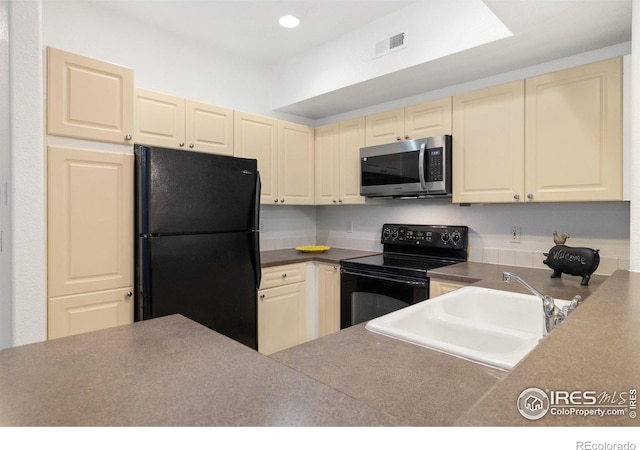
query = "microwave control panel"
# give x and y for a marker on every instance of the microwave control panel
(432, 236)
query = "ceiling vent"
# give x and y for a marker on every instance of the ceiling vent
(389, 45)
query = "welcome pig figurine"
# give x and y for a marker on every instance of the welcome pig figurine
(579, 261)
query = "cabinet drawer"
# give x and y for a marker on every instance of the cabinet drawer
(282, 275)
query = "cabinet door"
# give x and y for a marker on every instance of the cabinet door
(437, 288)
(257, 137)
(281, 317)
(385, 127)
(159, 119)
(574, 134)
(351, 140)
(327, 150)
(208, 128)
(90, 221)
(428, 119)
(92, 311)
(88, 98)
(488, 144)
(329, 298)
(296, 164)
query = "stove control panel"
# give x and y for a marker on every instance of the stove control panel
(432, 236)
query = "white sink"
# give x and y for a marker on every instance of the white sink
(487, 326)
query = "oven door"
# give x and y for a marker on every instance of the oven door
(365, 295)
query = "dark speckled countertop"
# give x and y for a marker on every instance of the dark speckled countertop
(291, 256)
(172, 371)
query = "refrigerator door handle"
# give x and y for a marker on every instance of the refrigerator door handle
(256, 231)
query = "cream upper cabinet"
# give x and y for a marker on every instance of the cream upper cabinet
(414, 122)
(351, 141)
(296, 163)
(327, 151)
(208, 128)
(90, 240)
(573, 136)
(488, 144)
(159, 119)
(338, 162)
(552, 138)
(329, 298)
(175, 122)
(256, 137)
(88, 98)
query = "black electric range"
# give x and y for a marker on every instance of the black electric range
(372, 286)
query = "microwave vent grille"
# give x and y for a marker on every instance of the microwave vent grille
(391, 44)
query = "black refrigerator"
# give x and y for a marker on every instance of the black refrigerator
(198, 249)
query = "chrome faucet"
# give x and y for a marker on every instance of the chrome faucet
(552, 314)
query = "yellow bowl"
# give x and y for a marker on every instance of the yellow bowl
(313, 248)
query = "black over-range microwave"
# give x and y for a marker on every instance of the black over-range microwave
(411, 168)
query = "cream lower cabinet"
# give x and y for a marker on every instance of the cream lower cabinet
(90, 240)
(174, 122)
(413, 122)
(88, 98)
(282, 308)
(328, 298)
(337, 162)
(438, 287)
(552, 138)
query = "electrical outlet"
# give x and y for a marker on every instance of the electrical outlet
(516, 234)
(349, 226)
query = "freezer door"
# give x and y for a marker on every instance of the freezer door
(207, 278)
(182, 192)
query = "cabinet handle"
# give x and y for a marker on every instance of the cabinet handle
(284, 275)
(335, 267)
(530, 196)
(261, 296)
(516, 197)
(181, 144)
(129, 294)
(128, 137)
(190, 145)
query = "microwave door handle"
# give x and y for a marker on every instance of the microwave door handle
(421, 165)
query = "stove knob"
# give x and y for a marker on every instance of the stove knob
(455, 237)
(394, 234)
(446, 237)
(385, 234)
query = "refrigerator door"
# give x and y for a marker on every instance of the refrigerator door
(208, 278)
(181, 192)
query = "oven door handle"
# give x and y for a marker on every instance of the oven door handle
(383, 278)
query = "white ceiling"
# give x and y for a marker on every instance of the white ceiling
(543, 30)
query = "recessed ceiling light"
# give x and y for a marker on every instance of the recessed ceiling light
(289, 21)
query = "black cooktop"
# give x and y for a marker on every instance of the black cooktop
(412, 250)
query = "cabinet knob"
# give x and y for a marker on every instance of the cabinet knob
(275, 200)
(334, 201)
(261, 296)
(181, 144)
(335, 267)
(281, 200)
(516, 197)
(284, 275)
(406, 136)
(129, 294)
(190, 145)
(339, 201)
(128, 137)
(398, 138)
(530, 196)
